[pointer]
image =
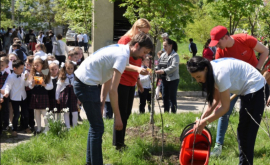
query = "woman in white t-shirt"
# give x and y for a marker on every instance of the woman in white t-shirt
(225, 76)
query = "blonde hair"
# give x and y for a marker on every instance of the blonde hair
(51, 58)
(140, 23)
(42, 47)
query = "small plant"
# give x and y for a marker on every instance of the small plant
(56, 127)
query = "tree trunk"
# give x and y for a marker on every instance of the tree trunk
(153, 95)
(230, 25)
(12, 9)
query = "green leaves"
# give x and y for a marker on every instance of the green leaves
(165, 16)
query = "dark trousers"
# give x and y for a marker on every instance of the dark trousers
(247, 128)
(108, 110)
(61, 58)
(85, 45)
(5, 113)
(16, 111)
(31, 111)
(169, 95)
(80, 44)
(194, 54)
(146, 95)
(125, 102)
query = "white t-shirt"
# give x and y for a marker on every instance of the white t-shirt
(98, 68)
(80, 37)
(238, 76)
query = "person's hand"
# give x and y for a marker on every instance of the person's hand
(160, 72)
(1, 100)
(43, 84)
(268, 102)
(58, 101)
(118, 125)
(6, 95)
(141, 89)
(198, 128)
(79, 102)
(33, 83)
(143, 71)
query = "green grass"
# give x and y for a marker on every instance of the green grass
(183, 51)
(143, 149)
(187, 83)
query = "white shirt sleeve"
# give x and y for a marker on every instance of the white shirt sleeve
(49, 86)
(10, 50)
(223, 81)
(120, 63)
(58, 89)
(53, 51)
(66, 48)
(8, 84)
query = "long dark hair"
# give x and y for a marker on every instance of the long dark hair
(196, 64)
(173, 43)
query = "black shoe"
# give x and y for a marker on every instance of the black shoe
(80, 119)
(37, 133)
(121, 148)
(32, 129)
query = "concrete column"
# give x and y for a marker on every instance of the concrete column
(102, 28)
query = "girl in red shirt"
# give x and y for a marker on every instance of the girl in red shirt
(126, 88)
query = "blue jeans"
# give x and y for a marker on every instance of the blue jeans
(108, 110)
(169, 95)
(90, 98)
(223, 123)
(85, 45)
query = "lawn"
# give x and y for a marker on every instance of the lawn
(143, 148)
(183, 51)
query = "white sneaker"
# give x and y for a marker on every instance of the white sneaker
(216, 152)
(10, 125)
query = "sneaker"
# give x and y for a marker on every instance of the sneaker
(10, 125)
(216, 151)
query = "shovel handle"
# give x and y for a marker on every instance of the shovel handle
(233, 97)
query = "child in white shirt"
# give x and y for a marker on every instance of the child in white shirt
(146, 84)
(15, 87)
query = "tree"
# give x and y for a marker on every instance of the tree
(234, 10)
(200, 28)
(77, 14)
(164, 16)
(5, 15)
(38, 14)
(265, 19)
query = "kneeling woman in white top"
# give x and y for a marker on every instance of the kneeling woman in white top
(225, 76)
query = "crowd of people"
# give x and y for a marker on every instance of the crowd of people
(39, 74)
(36, 79)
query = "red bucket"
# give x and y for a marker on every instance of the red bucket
(202, 146)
